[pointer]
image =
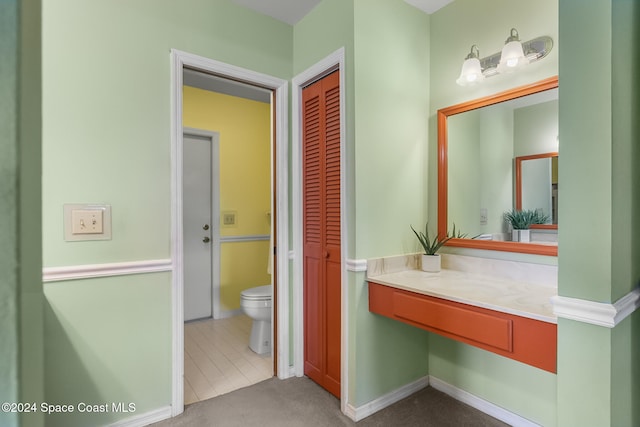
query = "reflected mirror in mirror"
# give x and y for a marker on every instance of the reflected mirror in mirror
(482, 144)
(537, 186)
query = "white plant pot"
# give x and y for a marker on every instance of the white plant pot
(521, 236)
(431, 263)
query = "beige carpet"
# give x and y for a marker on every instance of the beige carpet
(300, 402)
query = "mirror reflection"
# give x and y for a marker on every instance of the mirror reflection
(498, 154)
(537, 186)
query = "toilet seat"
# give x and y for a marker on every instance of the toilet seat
(259, 293)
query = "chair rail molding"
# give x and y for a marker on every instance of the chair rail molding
(597, 313)
(357, 265)
(91, 271)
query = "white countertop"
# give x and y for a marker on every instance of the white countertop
(508, 296)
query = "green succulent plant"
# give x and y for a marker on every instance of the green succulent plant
(431, 246)
(523, 219)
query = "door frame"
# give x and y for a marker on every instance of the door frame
(214, 139)
(334, 61)
(180, 60)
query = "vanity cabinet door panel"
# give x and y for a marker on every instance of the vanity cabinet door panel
(461, 322)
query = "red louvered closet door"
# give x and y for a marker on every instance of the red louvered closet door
(321, 219)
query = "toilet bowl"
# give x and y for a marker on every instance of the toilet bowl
(256, 303)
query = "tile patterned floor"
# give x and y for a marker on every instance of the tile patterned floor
(217, 358)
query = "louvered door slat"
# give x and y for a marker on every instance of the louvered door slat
(312, 203)
(332, 166)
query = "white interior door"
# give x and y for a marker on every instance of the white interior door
(199, 235)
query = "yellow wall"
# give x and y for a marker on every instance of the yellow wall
(245, 176)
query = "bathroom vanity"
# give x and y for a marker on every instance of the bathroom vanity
(490, 308)
(497, 305)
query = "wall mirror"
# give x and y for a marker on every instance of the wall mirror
(488, 152)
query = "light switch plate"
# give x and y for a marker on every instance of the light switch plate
(484, 216)
(87, 222)
(228, 219)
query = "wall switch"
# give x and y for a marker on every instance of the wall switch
(87, 222)
(229, 219)
(484, 216)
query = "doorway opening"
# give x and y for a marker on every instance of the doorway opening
(274, 237)
(227, 199)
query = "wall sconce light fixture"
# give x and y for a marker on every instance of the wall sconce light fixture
(471, 70)
(514, 56)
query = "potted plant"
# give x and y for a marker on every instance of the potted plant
(521, 221)
(431, 259)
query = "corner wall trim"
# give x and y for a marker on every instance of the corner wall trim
(481, 404)
(356, 265)
(145, 419)
(90, 271)
(363, 411)
(596, 313)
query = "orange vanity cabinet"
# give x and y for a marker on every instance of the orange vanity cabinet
(529, 341)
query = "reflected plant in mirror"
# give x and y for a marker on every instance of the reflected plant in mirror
(488, 151)
(521, 222)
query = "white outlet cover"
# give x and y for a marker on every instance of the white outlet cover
(87, 212)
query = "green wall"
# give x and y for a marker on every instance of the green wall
(464, 173)
(106, 138)
(391, 133)
(599, 151)
(108, 340)
(391, 103)
(536, 129)
(9, 190)
(21, 353)
(588, 181)
(496, 162)
(480, 170)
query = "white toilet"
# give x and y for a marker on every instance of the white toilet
(256, 303)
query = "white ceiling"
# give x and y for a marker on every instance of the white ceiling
(292, 11)
(429, 6)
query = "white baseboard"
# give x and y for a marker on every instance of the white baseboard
(145, 419)
(361, 412)
(481, 404)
